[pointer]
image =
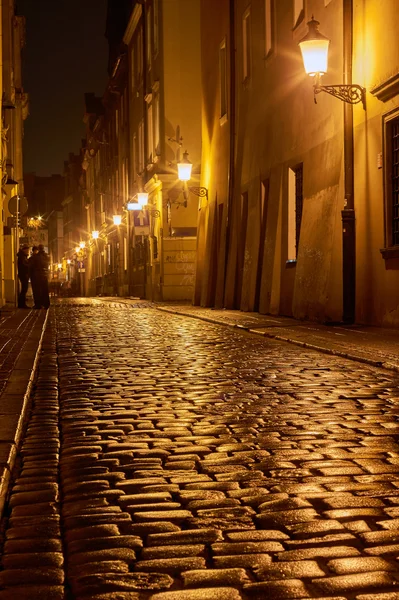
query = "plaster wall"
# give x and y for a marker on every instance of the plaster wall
(376, 59)
(277, 127)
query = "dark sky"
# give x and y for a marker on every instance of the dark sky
(65, 56)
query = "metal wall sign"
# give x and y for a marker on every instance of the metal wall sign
(18, 205)
(141, 222)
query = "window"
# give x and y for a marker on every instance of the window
(132, 68)
(246, 45)
(141, 147)
(155, 103)
(299, 11)
(268, 27)
(223, 79)
(135, 156)
(139, 57)
(149, 40)
(156, 27)
(150, 130)
(391, 183)
(124, 254)
(394, 180)
(295, 201)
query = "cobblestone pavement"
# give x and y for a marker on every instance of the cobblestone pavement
(171, 459)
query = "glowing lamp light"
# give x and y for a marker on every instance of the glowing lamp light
(68, 261)
(184, 168)
(134, 206)
(117, 219)
(82, 245)
(77, 249)
(142, 198)
(314, 48)
(60, 266)
(95, 234)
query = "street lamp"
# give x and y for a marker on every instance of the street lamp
(82, 245)
(184, 168)
(314, 48)
(117, 219)
(95, 235)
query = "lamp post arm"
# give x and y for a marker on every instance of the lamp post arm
(202, 192)
(352, 94)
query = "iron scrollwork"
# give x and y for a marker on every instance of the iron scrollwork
(352, 94)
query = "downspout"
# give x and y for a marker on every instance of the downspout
(348, 213)
(232, 126)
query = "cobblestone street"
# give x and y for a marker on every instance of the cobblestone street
(167, 458)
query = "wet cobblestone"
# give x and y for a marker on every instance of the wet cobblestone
(171, 459)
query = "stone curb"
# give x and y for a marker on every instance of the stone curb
(14, 403)
(290, 340)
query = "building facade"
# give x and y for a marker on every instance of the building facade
(134, 139)
(14, 110)
(301, 217)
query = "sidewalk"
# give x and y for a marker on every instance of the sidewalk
(20, 341)
(372, 345)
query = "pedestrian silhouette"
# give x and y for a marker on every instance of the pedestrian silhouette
(23, 274)
(39, 277)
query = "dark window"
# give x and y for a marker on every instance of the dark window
(395, 181)
(298, 202)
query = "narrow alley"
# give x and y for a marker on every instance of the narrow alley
(166, 458)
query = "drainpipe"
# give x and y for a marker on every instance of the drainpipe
(232, 118)
(348, 213)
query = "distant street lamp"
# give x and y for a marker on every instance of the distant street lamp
(184, 168)
(117, 219)
(95, 235)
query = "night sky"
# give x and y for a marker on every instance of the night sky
(65, 56)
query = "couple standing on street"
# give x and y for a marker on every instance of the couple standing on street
(34, 268)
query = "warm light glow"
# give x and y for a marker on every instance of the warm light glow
(142, 199)
(314, 48)
(68, 261)
(95, 234)
(134, 206)
(184, 168)
(117, 219)
(82, 245)
(77, 249)
(60, 265)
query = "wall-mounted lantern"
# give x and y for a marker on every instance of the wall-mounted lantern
(184, 168)
(314, 48)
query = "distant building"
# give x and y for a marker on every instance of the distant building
(44, 194)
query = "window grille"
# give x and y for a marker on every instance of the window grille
(395, 182)
(298, 202)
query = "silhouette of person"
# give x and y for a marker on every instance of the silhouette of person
(23, 274)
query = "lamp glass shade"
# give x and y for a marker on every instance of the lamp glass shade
(184, 168)
(117, 219)
(314, 49)
(95, 235)
(142, 198)
(134, 206)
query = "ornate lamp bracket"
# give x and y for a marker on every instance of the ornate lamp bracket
(352, 93)
(201, 192)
